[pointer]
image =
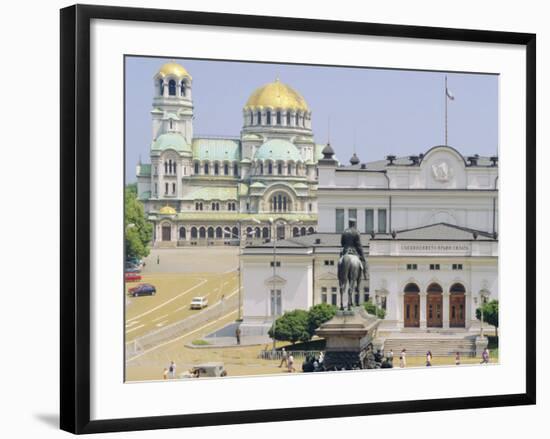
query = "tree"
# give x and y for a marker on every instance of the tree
(318, 315)
(490, 314)
(138, 231)
(291, 326)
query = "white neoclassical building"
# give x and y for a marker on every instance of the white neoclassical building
(200, 190)
(429, 226)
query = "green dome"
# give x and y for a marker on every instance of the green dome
(278, 149)
(171, 141)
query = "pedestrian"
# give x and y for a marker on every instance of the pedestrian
(321, 357)
(165, 374)
(485, 356)
(158, 259)
(238, 334)
(390, 356)
(172, 370)
(457, 358)
(291, 363)
(428, 358)
(284, 358)
(403, 358)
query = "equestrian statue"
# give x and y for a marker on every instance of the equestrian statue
(352, 265)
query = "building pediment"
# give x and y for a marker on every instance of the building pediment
(327, 276)
(275, 280)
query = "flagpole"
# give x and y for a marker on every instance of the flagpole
(446, 103)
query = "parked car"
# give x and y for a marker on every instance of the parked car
(135, 262)
(132, 269)
(199, 303)
(132, 277)
(142, 290)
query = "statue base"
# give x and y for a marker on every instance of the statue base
(347, 334)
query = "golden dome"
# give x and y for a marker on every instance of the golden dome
(173, 69)
(276, 95)
(167, 210)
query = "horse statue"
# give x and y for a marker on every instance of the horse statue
(350, 272)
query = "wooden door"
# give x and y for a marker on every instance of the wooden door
(434, 305)
(457, 310)
(166, 233)
(411, 310)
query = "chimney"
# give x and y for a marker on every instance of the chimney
(390, 159)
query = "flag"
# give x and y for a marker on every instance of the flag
(449, 94)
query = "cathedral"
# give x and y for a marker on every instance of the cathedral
(221, 191)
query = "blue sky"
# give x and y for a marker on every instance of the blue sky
(376, 111)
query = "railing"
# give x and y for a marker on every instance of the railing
(168, 333)
(270, 354)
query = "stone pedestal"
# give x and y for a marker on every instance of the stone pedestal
(481, 344)
(346, 334)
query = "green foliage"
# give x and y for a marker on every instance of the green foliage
(377, 311)
(291, 326)
(490, 314)
(138, 231)
(318, 315)
(200, 343)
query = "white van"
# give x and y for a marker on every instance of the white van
(199, 303)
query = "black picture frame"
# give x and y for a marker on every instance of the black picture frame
(75, 217)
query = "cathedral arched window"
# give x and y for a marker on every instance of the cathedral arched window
(280, 202)
(166, 167)
(268, 117)
(225, 169)
(206, 170)
(289, 169)
(193, 232)
(279, 168)
(288, 118)
(278, 118)
(261, 168)
(182, 88)
(235, 169)
(172, 87)
(270, 168)
(171, 124)
(251, 118)
(216, 169)
(196, 167)
(259, 118)
(161, 87)
(297, 121)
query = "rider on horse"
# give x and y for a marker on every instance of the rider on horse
(351, 244)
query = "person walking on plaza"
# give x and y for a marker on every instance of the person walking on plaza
(165, 374)
(428, 358)
(457, 358)
(158, 259)
(172, 370)
(485, 356)
(238, 334)
(403, 358)
(390, 356)
(284, 358)
(291, 363)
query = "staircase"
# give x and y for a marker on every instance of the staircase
(438, 344)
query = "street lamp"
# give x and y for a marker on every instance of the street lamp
(483, 297)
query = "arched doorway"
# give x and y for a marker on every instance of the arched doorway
(280, 231)
(310, 231)
(457, 306)
(434, 305)
(235, 233)
(265, 232)
(183, 233)
(210, 232)
(194, 233)
(219, 233)
(166, 232)
(411, 306)
(202, 233)
(295, 232)
(303, 231)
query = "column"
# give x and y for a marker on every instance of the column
(400, 318)
(423, 297)
(445, 309)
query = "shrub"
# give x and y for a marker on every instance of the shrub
(374, 310)
(200, 343)
(291, 326)
(490, 314)
(318, 315)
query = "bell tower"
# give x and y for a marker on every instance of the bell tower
(172, 102)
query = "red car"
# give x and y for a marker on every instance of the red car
(132, 277)
(142, 290)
